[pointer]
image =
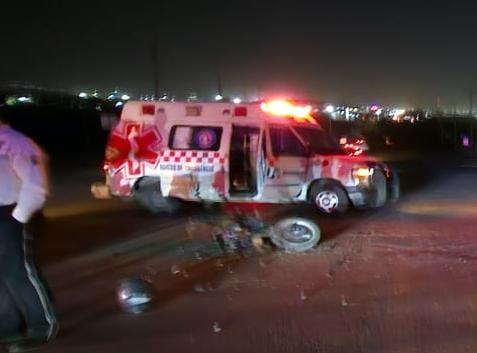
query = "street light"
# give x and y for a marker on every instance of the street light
(237, 100)
(218, 97)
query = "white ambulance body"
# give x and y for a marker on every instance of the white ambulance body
(267, 152)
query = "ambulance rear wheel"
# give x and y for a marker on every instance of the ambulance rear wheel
(157, 203)
(149, 196)
(329, 198)
(295, 234)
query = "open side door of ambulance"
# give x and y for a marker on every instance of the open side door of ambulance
(245, 159)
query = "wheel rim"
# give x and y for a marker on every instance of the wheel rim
(297, 232)
(327, 200)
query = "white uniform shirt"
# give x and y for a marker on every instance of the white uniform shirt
(23, 178)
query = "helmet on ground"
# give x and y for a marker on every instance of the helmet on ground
(135, 295)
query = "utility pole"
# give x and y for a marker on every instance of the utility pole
(219, 79)
(471, 103)
(155, 67)
(471, 116)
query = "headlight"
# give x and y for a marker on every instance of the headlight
(362, 175)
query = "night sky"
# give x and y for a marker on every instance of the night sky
(388, 52)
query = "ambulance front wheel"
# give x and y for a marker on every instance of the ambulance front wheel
(295, 234)
(329, 198)
(378, 181)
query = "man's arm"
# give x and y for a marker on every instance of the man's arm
(30, 169)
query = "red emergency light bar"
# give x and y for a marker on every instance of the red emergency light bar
(286, 109)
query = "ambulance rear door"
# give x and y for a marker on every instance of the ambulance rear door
(194, 164)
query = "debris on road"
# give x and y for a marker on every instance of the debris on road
(175, 270)
(217, 327)
(199, 288)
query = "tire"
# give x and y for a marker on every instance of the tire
(295, 234)
(329, 198)
(395, 188)
(149, 196)
(380, 193)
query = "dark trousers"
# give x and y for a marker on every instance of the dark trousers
(20, 278)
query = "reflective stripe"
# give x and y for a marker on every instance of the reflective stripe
(40, 290)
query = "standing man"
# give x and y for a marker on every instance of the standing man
(23, 191)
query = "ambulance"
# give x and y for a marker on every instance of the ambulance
(261, 152)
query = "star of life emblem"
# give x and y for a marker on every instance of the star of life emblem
(132, 147)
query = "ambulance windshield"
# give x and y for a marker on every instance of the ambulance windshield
(319, 141)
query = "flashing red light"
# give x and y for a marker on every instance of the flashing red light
(148, 109)
(284, 108)
(240, 111)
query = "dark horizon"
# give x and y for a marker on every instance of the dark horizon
(403, 54)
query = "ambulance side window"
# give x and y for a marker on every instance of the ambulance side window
(202, 138)
(285, 143)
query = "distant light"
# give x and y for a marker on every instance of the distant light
(218, 97)
(237, 100)
(83, 95)
(112, 97)
(192, 97)
(125, 97)
(374, 108)
(10, 100)
(119, 104)
(95, 94)
(24, 99)
(398, 112)
(379, 112)
(329, 109)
